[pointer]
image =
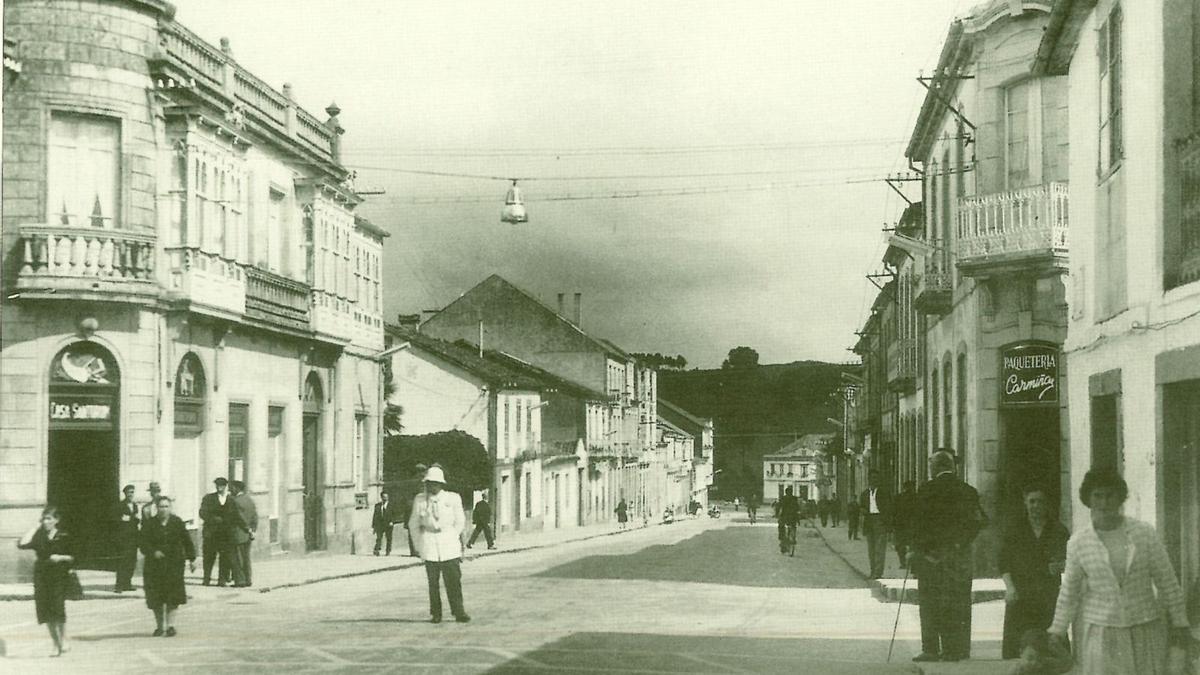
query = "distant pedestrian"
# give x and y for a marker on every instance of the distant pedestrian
(167, 546)
(823, 512)
(51, 574)
(622, 512)
(216, 510)
(789, 517)
(852, 520)
(752, 508)
(1033, 555)
(736, 503)
(125, 517)
(904, 519)
(437, 524)
(382, 522)
(149, 509)
(948, 518)
(876, 506)
(1119, 589)
(775, 509)
(242, 530)
(835, 510)
(481, 517)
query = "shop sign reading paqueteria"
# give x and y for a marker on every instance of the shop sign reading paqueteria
(1029, 375)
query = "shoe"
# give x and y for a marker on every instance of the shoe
(491, 548)
(376, 553)
(462, 618)
(170, 632)
(206, 582)
(435, 619)
(157, 632)
(470, 546)
(925, 657)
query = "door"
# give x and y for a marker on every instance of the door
(557, 500)
(313, 497)
(1031, 456)
(1181, 487)
(82, 481)
(579, 502)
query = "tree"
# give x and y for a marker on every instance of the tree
(392, 413)
(661, 362)
(741, 357)
(460, 454)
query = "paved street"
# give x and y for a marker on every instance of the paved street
(696, 596)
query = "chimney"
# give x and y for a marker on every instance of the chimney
(562, 310)
(579, 310)
(409, 322)
(226, 49)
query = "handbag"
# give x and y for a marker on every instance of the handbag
(74, 589)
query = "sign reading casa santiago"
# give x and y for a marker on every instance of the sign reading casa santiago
(1029, 375)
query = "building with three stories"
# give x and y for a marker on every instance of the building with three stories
(188, 292)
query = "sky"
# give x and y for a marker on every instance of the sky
(788, 112)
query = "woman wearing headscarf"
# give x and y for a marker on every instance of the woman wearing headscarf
(167, 546)
(1118, 582)
(51, 574)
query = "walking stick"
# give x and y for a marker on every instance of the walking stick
(903, 586)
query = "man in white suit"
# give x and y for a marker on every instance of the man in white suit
(436, 523)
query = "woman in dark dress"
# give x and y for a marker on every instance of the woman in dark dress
(51, 571)
(166, 544)
(1032, 558)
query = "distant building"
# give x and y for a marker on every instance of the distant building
(800, 466)
(188, 289)
(701, 431)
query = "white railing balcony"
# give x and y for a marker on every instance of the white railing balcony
(73, 261)
(934, 285)
(1013, 227)
(332, 316)
(206, 279)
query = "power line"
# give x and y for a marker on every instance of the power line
(641, 176)
(621, 150)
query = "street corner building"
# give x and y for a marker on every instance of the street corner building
(188, 292)
(964, 345)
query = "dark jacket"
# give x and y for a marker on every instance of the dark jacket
(170, 538)
(1027, 558)
(127, 515)
(883, 500)
(904, 515)
(245, 521)
(948, 516)
(217, 519)
(384, 516)
(482, 513)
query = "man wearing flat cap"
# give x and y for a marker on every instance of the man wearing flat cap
(217, 512)
(436, 523)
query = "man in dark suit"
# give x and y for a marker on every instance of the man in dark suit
(902, 523)
(948, 517)
(241, 531)
(126, 516)
(481, 517)
(875, 503)
(217, 512)
(382, 522)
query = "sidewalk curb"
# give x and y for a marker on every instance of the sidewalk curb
(884, 592)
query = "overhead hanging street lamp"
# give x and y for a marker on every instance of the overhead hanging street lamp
(514, 206)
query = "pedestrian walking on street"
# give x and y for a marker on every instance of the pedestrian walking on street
(242, 530)
(1120, 586)
(1033, 555)
(789, 517)
(948, 517)
(902, 522)
(736, 503)
(835, 510)
(382, 522)
(216, 510)
(148, 509)
(852, 520)
(125, 517)
(622, 512)
(437, 523)
(167, 546)
(51, 574)
(481, 517)
(823, 512)
(876, 506)
(752, 508)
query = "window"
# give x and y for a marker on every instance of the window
(273, 259)
(948, 404)
(961, 374)
(275, 442)
(239, 435)
(934, 409)
(1016, 135)
(84, 182)
(1109, 48)
(360, 450)
(528, 494)
(507, 431)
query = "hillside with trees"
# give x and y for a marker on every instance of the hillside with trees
(756, 409)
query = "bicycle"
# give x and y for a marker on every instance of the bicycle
(787, 540)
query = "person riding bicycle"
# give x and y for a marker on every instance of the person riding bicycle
(789, 517)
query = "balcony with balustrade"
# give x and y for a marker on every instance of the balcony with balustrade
(902, 365)
(934, 292)
(1014, 231)
(87, 263)
(276, 302)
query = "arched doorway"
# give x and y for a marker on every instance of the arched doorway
(311, 465)
(187, 476)
(83, 458)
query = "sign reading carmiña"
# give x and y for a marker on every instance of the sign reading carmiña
(1029, 375)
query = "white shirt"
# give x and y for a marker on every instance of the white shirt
(872, 507)
(222, 497)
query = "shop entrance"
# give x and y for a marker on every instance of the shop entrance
(311, 464)
(83, 458)
(1181, 485)
(1031, 456)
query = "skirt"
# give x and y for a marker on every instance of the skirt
(1140, 649)
(163, 581)
(49, 593)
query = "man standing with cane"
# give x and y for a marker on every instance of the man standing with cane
(948, 517)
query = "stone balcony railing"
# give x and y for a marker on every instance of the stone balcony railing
(1013, 229)
(934, 285)
(86, 261)
(277, 300)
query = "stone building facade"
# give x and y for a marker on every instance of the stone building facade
(188, 292)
